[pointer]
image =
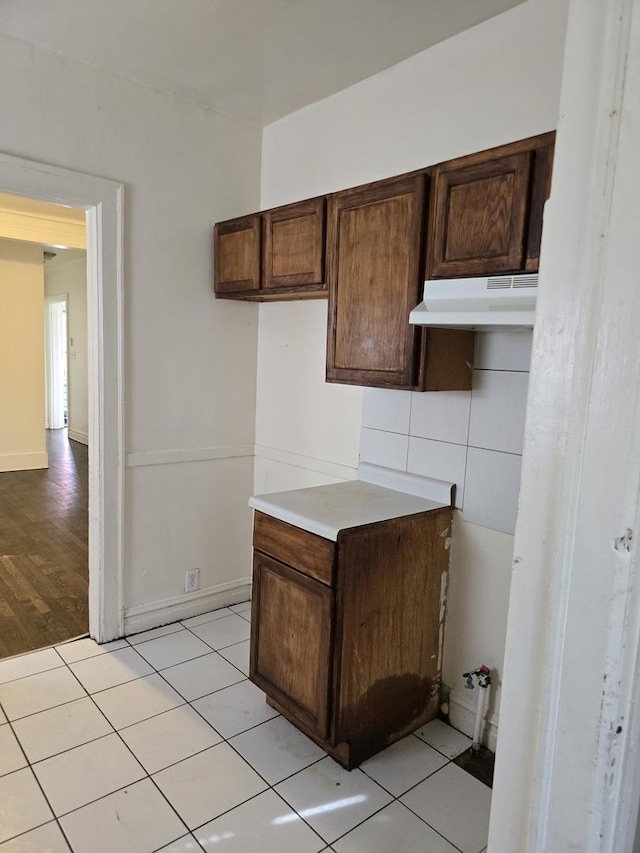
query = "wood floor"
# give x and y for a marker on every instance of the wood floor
(44, 531)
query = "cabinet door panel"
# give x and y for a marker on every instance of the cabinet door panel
(236, 246)
(479, 217)
(290, 641)
(374, 281)
(294, 245)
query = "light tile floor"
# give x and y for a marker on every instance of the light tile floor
(160, 742)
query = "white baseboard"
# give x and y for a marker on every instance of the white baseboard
(74, 435)
(462, 713)
(24, 461)
(169, 610)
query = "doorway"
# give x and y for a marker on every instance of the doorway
(56, 362)
(102, 202)
(44, 472)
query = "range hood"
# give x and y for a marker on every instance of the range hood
(494, 302)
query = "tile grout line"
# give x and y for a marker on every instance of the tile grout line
(406, 461)
(448, 840)
(131, 680)
(42, 791)
(269, 786)
(139, 763)
(32, 674)
(399, 800)
(41, 672)
(466, 452)
(187, 702)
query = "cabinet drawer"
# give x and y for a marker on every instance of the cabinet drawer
(310, 554)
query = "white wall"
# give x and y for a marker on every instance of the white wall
(190, 360)
(493, 84)
(22, 433)
(471, 438)
(68, 276)
(307, 431)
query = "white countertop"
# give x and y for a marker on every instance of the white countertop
(326, 510)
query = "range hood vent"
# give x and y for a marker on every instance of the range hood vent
(478, 303)
(511, 282)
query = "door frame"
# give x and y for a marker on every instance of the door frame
(567, 764)
(102, 200)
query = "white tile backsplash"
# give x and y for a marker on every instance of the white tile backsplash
(498, 407)
(471, 438)
(440, 460)
(441, 415)
(388, 449)
(503, 350)
(491, 489)
(387, 410)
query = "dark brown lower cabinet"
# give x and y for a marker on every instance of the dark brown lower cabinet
(353, 658)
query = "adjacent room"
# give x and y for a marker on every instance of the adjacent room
(44, 425)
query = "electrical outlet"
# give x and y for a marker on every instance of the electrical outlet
(192, 580)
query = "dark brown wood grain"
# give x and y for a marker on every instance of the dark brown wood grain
(388, 643)
(375, 277)
(484, 217)
(540, 191)
(236, 255)
(291, 641)
(310, 554)
(293, 246)
(44, 533)
(479, 217)
(357, 665)
(447, 360)
(486, 208)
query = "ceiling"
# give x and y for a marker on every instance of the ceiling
(33, 221)
(31, 206)
(254, 59)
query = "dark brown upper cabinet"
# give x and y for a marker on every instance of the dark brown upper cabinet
(486, 210)
(293, 246)
(278, 254)
(375, 273)
(236, 252)
(476, 215)
(374, 239)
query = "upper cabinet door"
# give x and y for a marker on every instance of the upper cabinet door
(479, 216)
(293, 246)
(236, 253)
(374, 273)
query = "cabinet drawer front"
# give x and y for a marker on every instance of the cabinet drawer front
(310, 554)
(291, 641)
(236, 248)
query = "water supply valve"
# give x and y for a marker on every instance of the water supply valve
(482, 675)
